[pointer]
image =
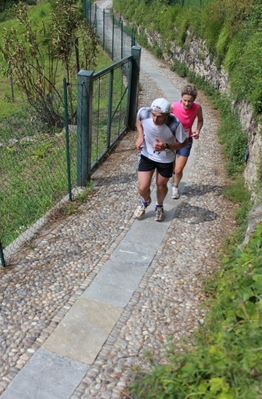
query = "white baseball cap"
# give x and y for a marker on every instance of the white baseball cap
(161, 105)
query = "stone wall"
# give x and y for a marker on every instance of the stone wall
(197, 58)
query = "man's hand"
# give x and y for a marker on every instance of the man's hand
(139, 144)
(159, 145)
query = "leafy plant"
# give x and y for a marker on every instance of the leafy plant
(36, 55)
(226, 360)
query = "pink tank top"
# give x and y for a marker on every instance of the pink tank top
(186, 117)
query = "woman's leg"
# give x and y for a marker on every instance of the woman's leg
(178, 174)
(179, 167)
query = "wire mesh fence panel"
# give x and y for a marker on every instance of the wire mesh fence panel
(116, 38)
(120, 100)
(39, 145)
(100, 116)
(33, 166)
(110, 103)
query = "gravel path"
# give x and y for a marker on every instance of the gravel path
(45, 280)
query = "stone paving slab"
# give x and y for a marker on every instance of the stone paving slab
(116, 282)
(83, 330)
(46, 376)
(133, 253)
(171, 93)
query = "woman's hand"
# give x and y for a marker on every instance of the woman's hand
(195, 135)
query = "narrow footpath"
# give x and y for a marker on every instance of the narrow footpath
(97, 289)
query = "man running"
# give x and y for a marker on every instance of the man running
(160, 134)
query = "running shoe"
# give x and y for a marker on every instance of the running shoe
(159, 214)
(175, 193)
(141, 209)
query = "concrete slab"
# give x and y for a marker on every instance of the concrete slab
(83, 330)
(148, 234)
(170, 92)
(116, 282)
(46, 376)
(133, 253)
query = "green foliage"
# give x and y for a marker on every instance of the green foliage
(83, 195)
(259, 171)
(167, 21)
(234, 142)
(180, 68)
(231, 30)
(226, 360)
(246, 79)
(222, 43)
(237, 192)
(234, 52)
(34, 57)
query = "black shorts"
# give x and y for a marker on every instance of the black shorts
(146, 165)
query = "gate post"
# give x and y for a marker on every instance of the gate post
(134, 86)
(2, 259)
(84, 126)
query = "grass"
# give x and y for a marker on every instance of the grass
(34, 165)
(11, 100)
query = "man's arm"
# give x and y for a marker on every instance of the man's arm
(161, 146)
(140, 135)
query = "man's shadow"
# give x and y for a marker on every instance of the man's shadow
(194, 214)
(196, 190)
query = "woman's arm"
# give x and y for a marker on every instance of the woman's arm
(200, 121)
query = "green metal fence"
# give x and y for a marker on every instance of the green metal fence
(38, 164)
(47, 151)
(116, 38)
(107, 108)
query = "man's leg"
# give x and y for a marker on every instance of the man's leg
(161, 192)
(161, 188)
(144, 182)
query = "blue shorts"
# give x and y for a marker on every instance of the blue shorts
(185, 152)
(146, 165)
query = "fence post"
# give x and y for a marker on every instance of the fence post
(134, 82)
(84, 126)
(77, 54)
(67, 140)
(85, 8)
(2, 259)
(113, 36)
(122, 37)
(133, 43)
(104, 16)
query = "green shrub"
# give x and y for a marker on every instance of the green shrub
(246, 79)
(226, 359)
